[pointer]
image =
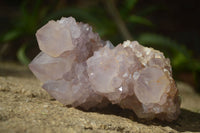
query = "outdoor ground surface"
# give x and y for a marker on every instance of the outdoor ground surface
(26, 107)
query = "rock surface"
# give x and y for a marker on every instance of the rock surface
(26, 107)
(81, 70)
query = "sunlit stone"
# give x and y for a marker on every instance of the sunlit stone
(79, 69)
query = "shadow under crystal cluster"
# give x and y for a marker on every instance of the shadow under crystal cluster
(79, 69)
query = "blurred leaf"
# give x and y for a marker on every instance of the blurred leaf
(178, 60)
(28, 20)
(127, 7)
(11, 35)
(129, 4)
(22, 56)
(36, 7)
(148, 10)
(139, 20)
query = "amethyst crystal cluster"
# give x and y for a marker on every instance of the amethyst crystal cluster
(79, 69)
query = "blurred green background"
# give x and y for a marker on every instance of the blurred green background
(170, 26)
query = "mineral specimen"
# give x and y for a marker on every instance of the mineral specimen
(79, 69)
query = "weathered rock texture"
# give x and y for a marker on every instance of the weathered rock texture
(25, 107)
(79, 69)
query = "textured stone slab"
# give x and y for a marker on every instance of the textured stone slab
(26, 107)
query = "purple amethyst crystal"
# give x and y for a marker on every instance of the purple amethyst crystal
(78, 68)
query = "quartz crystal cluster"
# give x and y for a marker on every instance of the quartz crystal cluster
(79, 69)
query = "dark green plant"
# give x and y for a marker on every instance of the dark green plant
(112, 19)
(24, 28)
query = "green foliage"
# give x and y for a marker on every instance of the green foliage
(11, 35)
(129, 4)
(24, 29)
(21, 55)
(30, 20)
(139, 20)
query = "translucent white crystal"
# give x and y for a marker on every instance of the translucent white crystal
(54, 67)
(62, 68)
(79, 69)
(54, 38)
(151, 81)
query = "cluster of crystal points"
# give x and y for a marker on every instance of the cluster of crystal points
(79, 69)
